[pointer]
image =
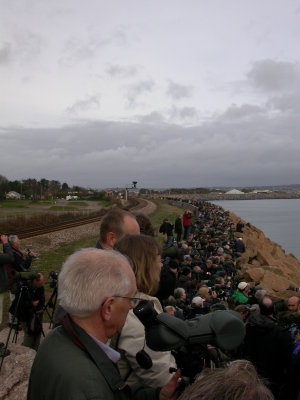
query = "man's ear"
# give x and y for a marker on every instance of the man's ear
(111, 239)
(105, 310)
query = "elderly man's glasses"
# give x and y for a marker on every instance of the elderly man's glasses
(134, 300)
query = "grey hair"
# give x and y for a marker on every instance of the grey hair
(170, 308)
(259, 294)
(13, 238)
(178, 293)
(89, 276)
(237, 382)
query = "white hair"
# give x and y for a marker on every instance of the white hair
(13, 238)
(89, 276)
(178, 292)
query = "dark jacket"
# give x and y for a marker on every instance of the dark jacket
(240, 247)
(63, 370)
(5, 269)
(20, 262)
(270, 350)
(167, 284)
(178, 225)
(166, 228)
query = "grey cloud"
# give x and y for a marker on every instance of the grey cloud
(288, 102)
(225, 151)
(122, 71)
(178, 92)
(152, 118)
(85, 104)
(136, 90)
(5, 53)
(272, 76)
(22, 49)
(184, 113)
(243, 111)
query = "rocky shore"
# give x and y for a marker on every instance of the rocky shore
(265, 263)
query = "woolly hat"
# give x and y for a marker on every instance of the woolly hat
(242, 285)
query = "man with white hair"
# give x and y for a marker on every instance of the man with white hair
(97, 290)
(21, 262)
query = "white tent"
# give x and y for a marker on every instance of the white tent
(234, 191)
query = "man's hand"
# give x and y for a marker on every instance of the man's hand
(169, 391)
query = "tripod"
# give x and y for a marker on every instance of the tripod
(22, 310)
(51, 303)
(22, 290)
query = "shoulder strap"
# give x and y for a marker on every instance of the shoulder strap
(65, 321)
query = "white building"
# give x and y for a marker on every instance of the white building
(234, 191)
(13, 195)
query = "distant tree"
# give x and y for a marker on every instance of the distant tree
(3, 179)
(3, 186)
(54, 188)
(30, 188)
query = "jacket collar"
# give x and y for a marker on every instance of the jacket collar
(108, 369)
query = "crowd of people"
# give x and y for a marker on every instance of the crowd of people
(100, 344)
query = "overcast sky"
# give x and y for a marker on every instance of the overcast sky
(171, 93)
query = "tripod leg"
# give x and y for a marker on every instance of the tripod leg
(4, 349)
(51, 304)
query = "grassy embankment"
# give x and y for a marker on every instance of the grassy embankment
(53, 260)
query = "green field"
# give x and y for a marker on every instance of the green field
(77, 203)
(15, 203)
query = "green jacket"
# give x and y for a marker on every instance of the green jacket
(239, 297)
(63, 371)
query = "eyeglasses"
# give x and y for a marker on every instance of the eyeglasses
(134, 300)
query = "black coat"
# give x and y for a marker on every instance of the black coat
(167, 228)
(5, 270)
(167, 283)
(270, 349)
(178, 225)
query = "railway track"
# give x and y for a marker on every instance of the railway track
(134, 206)
(42, 230)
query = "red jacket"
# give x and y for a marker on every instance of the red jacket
(186, 219)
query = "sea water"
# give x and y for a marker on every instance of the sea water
(278, 219)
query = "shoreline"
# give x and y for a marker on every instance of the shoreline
(265, 262)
